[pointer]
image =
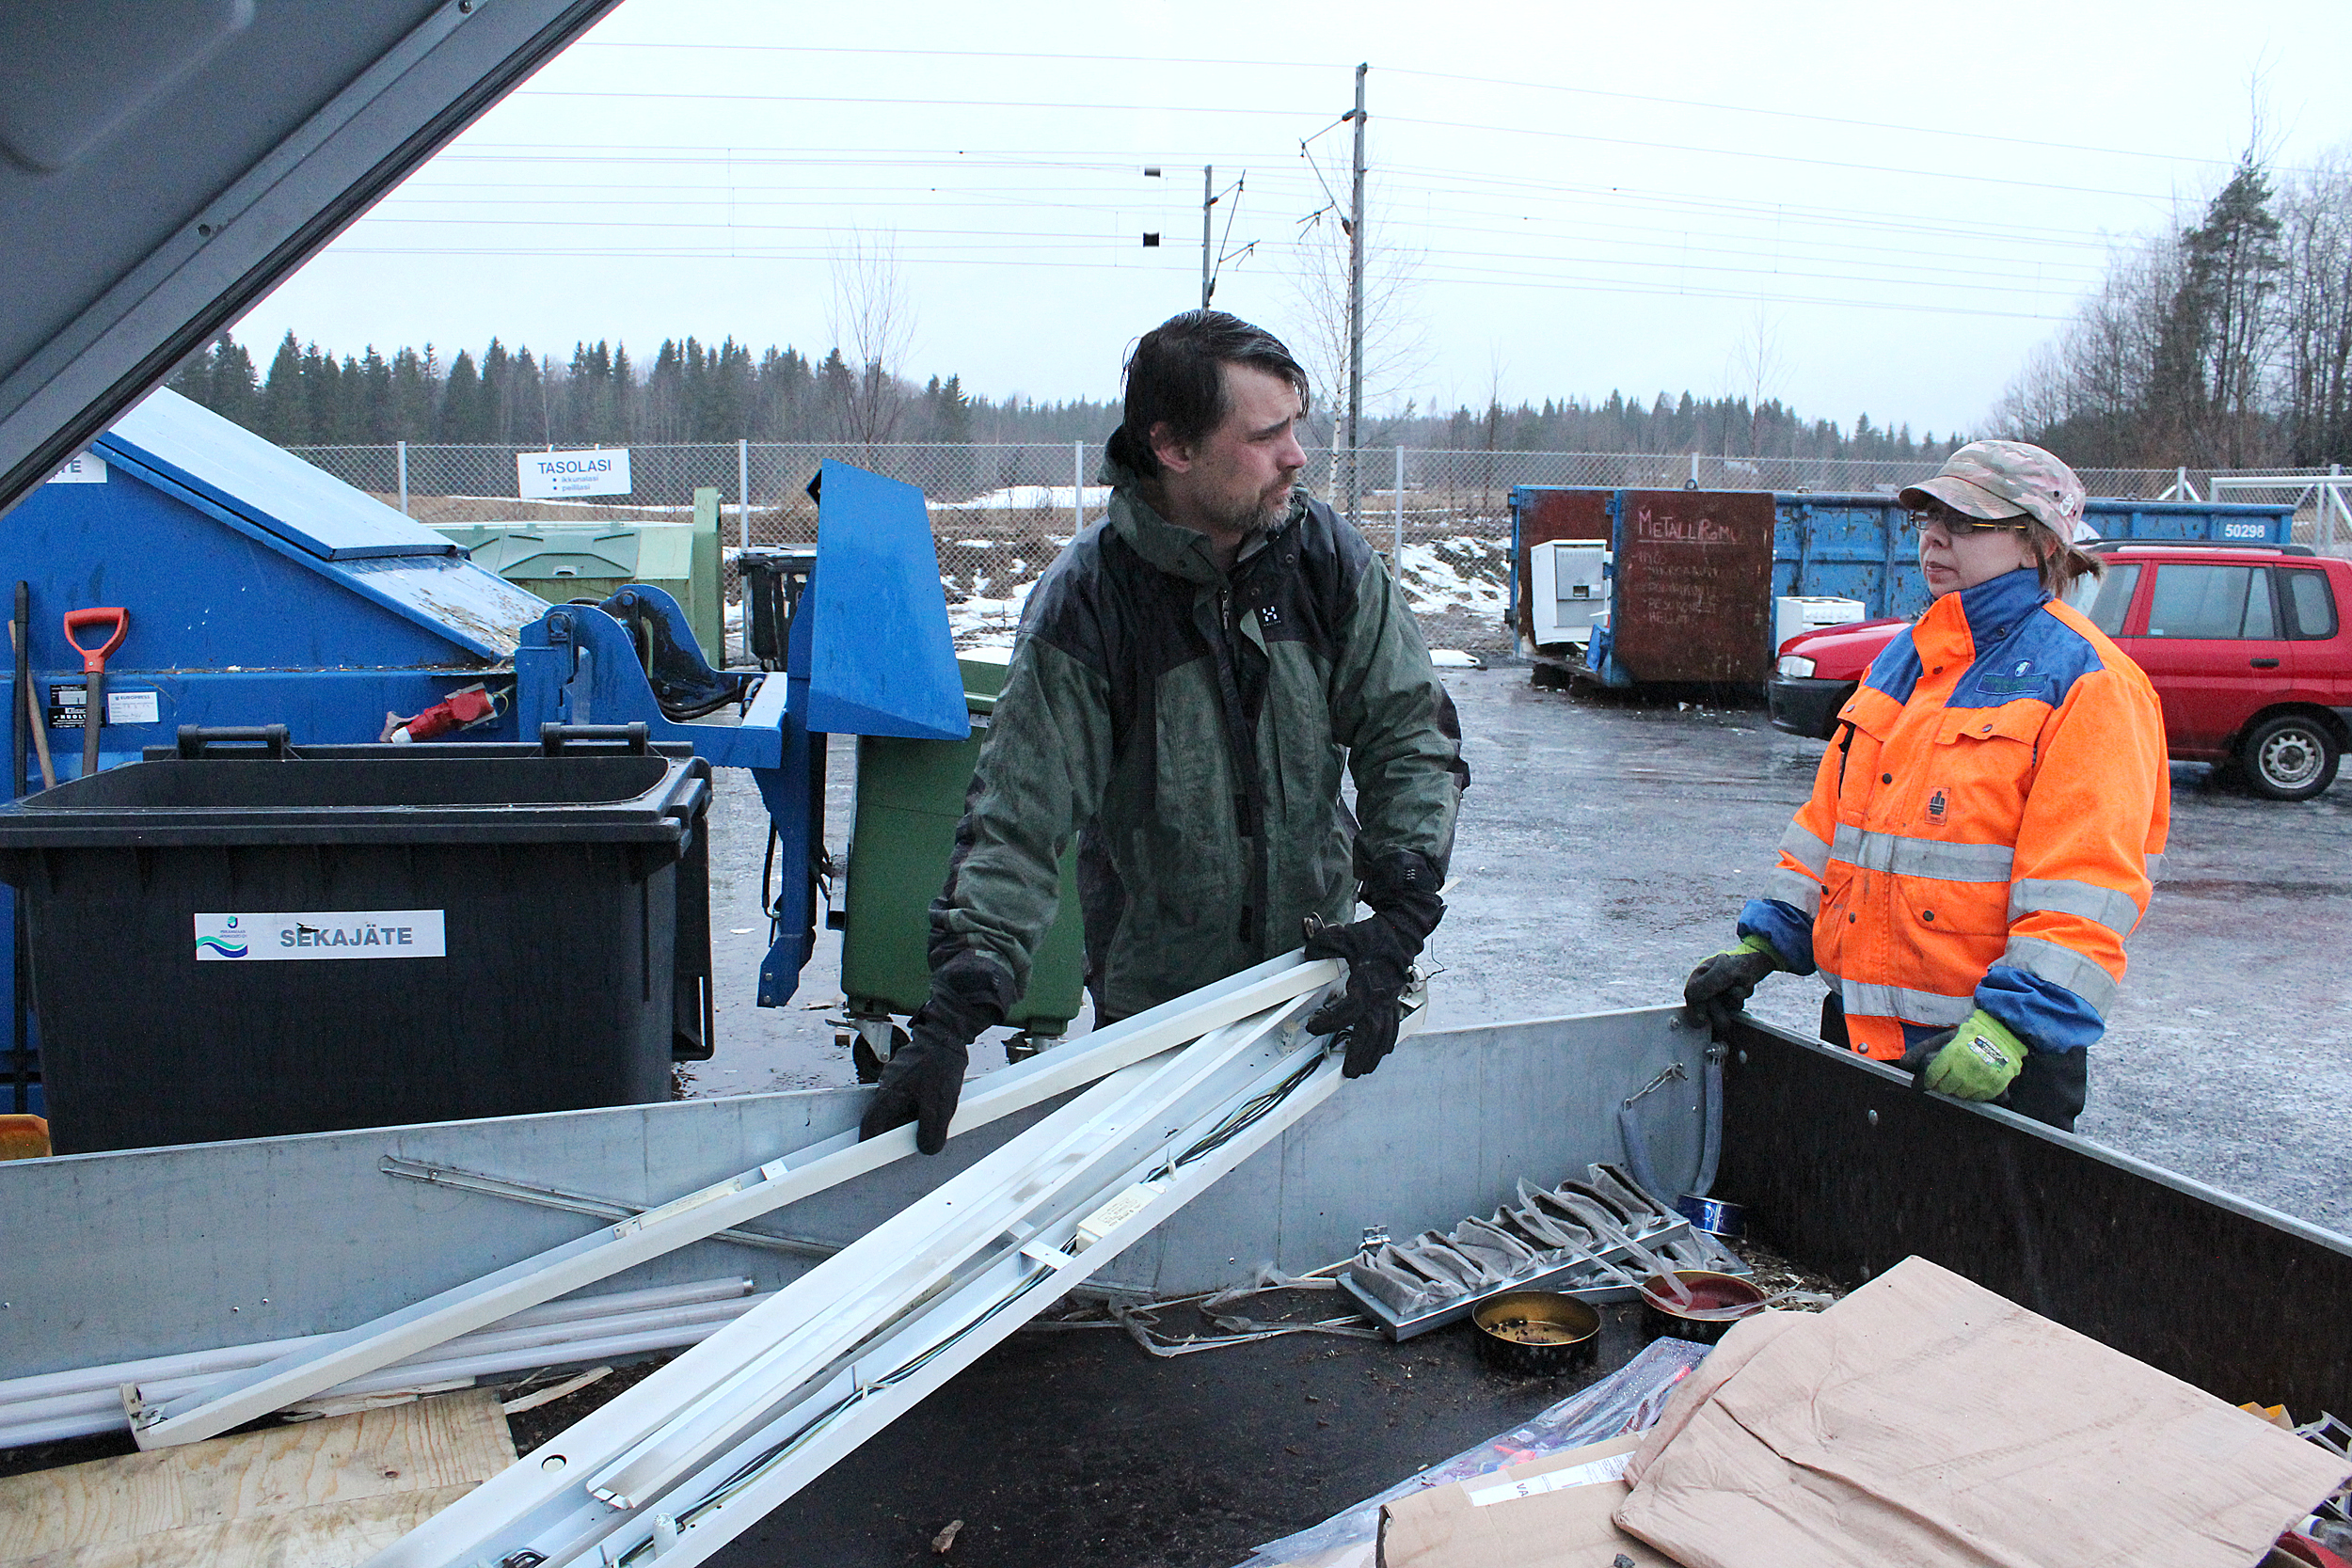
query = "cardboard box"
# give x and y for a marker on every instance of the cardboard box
(1546, 1514)
(1925, 1423)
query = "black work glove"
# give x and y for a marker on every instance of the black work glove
(1719, 988)
(925, 1079)
(1378, 950)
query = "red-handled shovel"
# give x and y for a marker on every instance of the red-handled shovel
(94, 673)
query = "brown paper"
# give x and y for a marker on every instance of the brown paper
(1925, 1422)
(1734, 1351)
(1476, 1523)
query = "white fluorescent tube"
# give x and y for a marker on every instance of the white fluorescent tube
(89, 1399)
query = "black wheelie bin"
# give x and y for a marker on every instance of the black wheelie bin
(236, 938)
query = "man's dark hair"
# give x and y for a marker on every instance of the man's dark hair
(1176, 376)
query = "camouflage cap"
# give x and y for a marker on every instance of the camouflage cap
(2006, 479)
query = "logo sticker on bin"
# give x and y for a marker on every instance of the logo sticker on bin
(320, 934)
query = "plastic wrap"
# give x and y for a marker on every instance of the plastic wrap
(1629, 1400)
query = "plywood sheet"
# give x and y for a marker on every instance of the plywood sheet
(293, 1495)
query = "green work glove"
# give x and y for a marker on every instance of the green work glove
(1975, 1061)
(1718, 989)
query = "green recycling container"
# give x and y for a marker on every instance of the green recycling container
(561, 561)
(910, 797)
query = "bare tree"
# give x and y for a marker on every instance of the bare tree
(2315, 310)
(1396, 344)
(1757, 363)
(872, 324)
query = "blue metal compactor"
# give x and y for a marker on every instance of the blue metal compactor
(249, 589)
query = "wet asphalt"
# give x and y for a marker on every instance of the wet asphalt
(1606, 846)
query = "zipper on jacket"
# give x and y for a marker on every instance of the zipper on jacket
(1242, 746)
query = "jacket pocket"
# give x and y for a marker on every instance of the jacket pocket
(1954, 908)
(1979, 770)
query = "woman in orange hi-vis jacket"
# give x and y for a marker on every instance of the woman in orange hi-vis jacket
(1986, 825)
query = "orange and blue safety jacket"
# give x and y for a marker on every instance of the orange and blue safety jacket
(1984, 830)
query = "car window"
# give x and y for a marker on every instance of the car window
(2211, 601)
(2107, 599)
(2312, 602)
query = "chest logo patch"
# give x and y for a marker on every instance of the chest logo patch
(1936, 808)
(1268, 615)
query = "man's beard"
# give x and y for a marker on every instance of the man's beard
(1254, 518)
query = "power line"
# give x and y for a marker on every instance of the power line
(1041, 104)
(1773, 157)
(1495, 279)
(1228, 63)
(1814, 119)
(1674, 251)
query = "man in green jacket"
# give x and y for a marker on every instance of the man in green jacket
(1192, 673)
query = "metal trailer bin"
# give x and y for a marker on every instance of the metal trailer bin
(910, 797)
(237, 941)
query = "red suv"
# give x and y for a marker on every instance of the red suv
(2245, 647)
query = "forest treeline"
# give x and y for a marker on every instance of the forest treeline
(692, 392)
(2226, 343)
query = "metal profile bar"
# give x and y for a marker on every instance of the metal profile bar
(841, 1351)
(706, 1388)
(241, 1397)
(580, 1203)
(718, 1503)
(906, 1256)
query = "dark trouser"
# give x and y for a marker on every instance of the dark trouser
(2051, 1087)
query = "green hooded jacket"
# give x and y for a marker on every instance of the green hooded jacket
(1191, 727)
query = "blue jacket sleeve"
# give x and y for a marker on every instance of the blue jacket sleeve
(2042, 1013)
(1786, 927)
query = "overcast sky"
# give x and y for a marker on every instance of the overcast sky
(1895, 202)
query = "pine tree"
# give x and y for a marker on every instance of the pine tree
(416, 393)
(2215, 349)
(461, 412)
(373, 404)
(236, 392)
(284, 416)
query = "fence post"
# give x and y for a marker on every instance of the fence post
(401, 458)
(744, 493)
(1400, 504)
(2328, 512)
(1077, 489)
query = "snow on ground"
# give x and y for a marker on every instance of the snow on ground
(1455, 584)
(1032, 497)
(1454, 577)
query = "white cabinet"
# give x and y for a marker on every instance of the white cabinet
(1568, 589)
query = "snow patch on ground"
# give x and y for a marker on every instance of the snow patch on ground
(981, 621)
(1032, 497)
(1461, 576)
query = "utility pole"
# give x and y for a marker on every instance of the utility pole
(1208, 199)
(1355, 305)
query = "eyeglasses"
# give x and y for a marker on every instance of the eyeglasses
(1959, 527)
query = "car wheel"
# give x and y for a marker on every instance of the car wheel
(2291, 757)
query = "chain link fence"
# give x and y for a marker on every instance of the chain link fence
(1001, 511)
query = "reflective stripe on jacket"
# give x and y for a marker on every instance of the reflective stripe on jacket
(1984, 832)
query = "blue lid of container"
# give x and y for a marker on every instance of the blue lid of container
(184, 443)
